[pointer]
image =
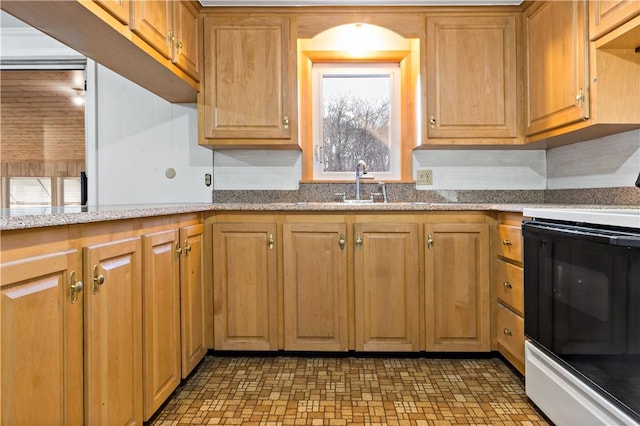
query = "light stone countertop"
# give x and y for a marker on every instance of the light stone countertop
(28, 218)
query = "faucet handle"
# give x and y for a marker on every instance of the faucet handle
(383, 189)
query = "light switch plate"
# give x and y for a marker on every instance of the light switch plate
(424, 177)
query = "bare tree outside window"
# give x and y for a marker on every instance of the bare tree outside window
(356, 128)
(356, 117)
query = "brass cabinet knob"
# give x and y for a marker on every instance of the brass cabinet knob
(75, 287)
(187, 247)
(98, 279)
(358, 241)
(341, 242)
(507, 243)
(508, 332)
(271, 242)
(507, 284)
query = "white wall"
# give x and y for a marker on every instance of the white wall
(261, 169)
(135, 137)
(482, 169)
(606, 162)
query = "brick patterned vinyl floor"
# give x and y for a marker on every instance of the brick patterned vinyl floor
(292, 390)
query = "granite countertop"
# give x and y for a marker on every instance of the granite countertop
(27, 218)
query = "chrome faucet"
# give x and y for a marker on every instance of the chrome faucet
(360, 166)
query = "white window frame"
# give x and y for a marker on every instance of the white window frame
(390, 70)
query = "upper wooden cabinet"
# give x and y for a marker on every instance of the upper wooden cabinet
(249, 94)
(471, 75)
(151, 20)
(604, 16)
(171, 27)
(578, 90)
(101, 31)
(557, 64)
(187, 44)
(120, 9)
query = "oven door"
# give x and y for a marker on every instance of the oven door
(578, 293)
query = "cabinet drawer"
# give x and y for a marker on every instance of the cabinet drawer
(510, 242)
(510, 333)
(509, 285)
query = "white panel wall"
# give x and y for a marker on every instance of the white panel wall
(610, 161)
(273, 170)
(137, 137)
(482, 169)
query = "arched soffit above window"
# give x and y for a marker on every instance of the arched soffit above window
(357, 37)
(404, 25)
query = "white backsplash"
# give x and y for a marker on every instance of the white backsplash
(482, 169)
(260, 169)
(611, 161)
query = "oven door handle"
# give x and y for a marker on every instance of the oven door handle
(585, 234)
(625, 241)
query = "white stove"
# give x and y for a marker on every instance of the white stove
(624, 217)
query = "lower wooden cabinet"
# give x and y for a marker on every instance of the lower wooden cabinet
(509, 286)
(457, 287)
(386, 279)
(315, 286)
(245, 300)
(113, 333)
(161, 318)
(82, 341)
(192, 298)
(41, 342)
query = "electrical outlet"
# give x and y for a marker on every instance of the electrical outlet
(424, 177)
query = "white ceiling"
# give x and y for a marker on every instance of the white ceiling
(358, 2)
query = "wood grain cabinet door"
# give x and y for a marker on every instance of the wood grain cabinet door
(557, 64)
(152, 21)
(605, 15)
(315, 286)
(245, 286)
(113, 333)
(457, 287)
(247, 88)
(186, 48)
(471, 78)
(120, 9)
(386, 287)
(161, 317)
(192, 300)
(41, 342)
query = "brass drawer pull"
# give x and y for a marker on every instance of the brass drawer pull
(75, 287)
(507, 284)
(507, 242)
(98, 279)
(508, 332)
(341, 242)
(271, 242)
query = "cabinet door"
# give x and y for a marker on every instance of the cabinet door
(41, 341)
(161, 318)
(245, 286)
(386, 287)
(186, 49)
(605, 16)
(247, 78)
(471, 77)
(557, 65)
(151, 20)
(315, 286)
(193, 297)
(113, 333)
(457, 289)
(118, 8)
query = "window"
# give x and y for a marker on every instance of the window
(43, 191)
(356, 116)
